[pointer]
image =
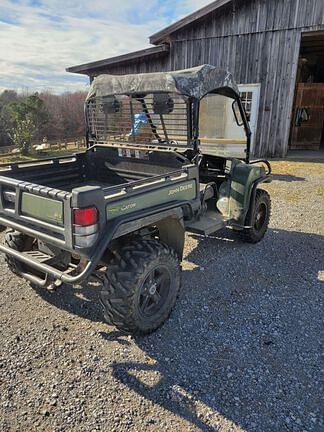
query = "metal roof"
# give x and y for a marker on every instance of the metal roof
(87, 68)
(162, 35)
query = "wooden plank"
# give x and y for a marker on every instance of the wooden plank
(222, 141)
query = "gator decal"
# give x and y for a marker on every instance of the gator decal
(180, 192)
(42, 208)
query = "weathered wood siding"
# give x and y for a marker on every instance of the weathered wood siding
(257, 40)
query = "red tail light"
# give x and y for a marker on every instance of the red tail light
(85, 216)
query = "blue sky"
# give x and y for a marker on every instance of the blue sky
(40, 38)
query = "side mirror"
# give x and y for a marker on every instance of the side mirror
(237, 113)
(162, 103)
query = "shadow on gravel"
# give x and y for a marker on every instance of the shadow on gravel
(115, 336)
(287, 178)
(242, 347)
(82, 301)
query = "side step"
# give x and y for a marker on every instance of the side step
(207, 224)
(38, 255)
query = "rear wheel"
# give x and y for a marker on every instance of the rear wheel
(19, 242)
(141, 286)
(260, 218)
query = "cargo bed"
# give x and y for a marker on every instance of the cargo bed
(96, 167)
(37, 197)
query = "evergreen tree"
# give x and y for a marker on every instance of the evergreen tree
(27, 120)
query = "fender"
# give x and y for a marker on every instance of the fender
(267, 178)
(169, 223)
(243, 186)
(252, 197)
(172, 232)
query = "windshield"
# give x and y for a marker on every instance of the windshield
(153, 119)
(219, 132)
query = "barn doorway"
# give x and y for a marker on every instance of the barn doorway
(307, 130)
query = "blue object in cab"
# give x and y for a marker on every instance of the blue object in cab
(139, 121)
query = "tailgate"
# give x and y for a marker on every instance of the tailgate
(36, 210)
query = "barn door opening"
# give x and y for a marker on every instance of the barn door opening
(307, 129)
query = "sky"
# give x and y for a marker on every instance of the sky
(40, 38)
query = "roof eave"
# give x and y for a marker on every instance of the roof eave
(162, 35)
(87, 68)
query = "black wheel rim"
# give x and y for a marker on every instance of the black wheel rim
(154, 291)
(260, 217)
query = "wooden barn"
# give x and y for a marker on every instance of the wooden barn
(274, 48)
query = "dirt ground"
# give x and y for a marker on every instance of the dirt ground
(242, 351)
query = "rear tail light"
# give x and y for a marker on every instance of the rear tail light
(85, 226)
(85, 216)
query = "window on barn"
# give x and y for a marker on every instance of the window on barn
(247, 102)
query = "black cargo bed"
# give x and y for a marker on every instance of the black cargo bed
(101, 166)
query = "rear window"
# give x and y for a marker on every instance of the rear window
(159, 119)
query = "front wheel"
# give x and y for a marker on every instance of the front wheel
(141, 286)
(260, 218)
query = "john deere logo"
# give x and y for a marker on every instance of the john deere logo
(181, 188)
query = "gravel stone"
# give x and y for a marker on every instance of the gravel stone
(241, 351)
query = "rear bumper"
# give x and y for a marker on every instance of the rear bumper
(117, 228)
(50, 272)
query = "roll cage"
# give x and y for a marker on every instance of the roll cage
(164, 105)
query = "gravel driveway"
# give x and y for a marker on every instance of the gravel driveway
(241, 352)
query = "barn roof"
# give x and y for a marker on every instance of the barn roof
(162, 35)
(88, 68)
(195, 82)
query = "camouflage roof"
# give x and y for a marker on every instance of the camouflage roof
(195, 82)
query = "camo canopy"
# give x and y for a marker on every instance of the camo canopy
(195, 82)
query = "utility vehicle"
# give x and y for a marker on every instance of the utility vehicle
(160, 161)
